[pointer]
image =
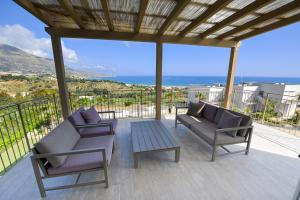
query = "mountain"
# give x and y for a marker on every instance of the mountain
(15, 60)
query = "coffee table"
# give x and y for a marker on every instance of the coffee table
(152, 136)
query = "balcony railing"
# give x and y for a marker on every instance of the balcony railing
(23, 124)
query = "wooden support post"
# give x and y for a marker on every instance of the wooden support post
(158, 88)
(230, 76)
(60, 75)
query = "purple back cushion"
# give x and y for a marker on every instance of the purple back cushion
(77, 119)
(91, 116)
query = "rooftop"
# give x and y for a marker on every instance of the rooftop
(202, 22)
(270, 171)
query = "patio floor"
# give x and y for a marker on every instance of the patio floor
(270, 171)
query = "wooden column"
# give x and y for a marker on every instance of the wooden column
(60, 75)
(230, 77)
(158, 88)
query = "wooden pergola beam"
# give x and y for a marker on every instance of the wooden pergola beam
(266, 17)
(130, 36)
(27, 5)
(142, 11)
(68, 7)
(108, 18)
(158, 80)
(238, 15)
(279, 24)
(230, 77)
(219, 5)
(173, 15)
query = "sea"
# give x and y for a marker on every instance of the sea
(199, 80)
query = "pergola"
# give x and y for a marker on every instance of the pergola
(218, 23)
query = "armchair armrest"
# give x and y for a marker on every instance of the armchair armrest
(101, 124)
(108, 111)
(229, 129)
(81, 151)
(233, 129)
(180, 107)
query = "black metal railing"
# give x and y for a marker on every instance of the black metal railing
(22, 125)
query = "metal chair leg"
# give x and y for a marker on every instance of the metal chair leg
(38, 177)
(213, 153)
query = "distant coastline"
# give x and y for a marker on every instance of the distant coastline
(199, 80)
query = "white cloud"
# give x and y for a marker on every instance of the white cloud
(24, 39)
(100, 67)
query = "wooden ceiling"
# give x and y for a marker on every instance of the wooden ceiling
(199, 22)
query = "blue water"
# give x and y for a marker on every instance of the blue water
(204, 80)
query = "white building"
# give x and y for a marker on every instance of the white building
(285, 97)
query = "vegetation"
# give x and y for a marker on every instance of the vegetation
(201, 96)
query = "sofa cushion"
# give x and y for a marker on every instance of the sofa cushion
(99, 131)
(91, 115)
(218, 115)
(246, 121)
(229, 120)
(76, 118)
(207, 132)
(61, 139)
(209, 112)
(195, 109)
(79, 162)
(187, 120)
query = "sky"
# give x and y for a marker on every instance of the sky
(273, 54)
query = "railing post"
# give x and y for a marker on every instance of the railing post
(23, 125)
(141, 104)
(55, 108)
(70, 100)
(265, 108)
(108, 99)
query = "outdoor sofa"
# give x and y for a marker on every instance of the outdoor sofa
(216, 126)
(70, 149)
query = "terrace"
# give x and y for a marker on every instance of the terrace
(270, 171)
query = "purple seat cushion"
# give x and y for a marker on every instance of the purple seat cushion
(229, 120)
(86, 161)
(99, 131)
(91, 116)
(77, 119)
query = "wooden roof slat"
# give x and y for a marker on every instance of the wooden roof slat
(142, 10)
(173, 15)
(107, 15)
(206, 15)
(68, 7)
(95, 16)
(50, 7)
(81, 15)
(27, 5)
(279, 24)
(139, 37)
(238, 15)
(269, 16)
